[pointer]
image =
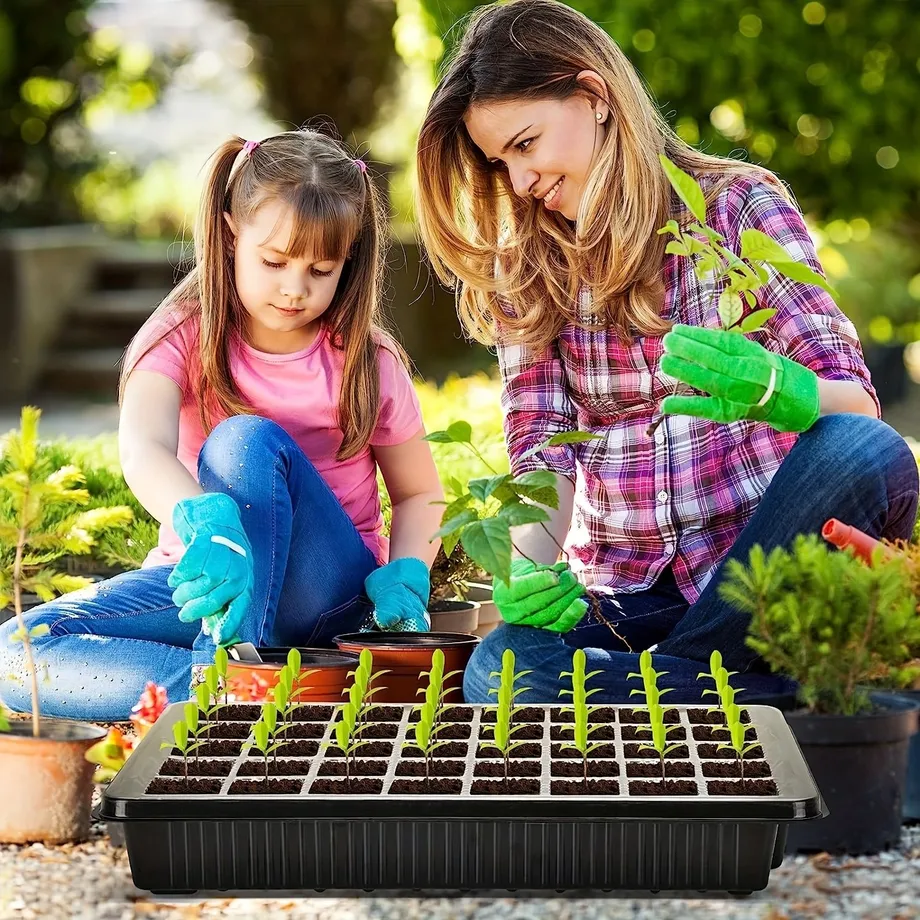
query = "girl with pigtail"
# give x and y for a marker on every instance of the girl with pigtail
(257, 404)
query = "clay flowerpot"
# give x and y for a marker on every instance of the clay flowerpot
(249, 682)
(454, 616)
(406, 654)
(47, 781)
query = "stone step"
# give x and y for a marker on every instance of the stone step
(139, 265)
(85, 371)
(123, 307)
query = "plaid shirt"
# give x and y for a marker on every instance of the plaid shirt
(682, 497)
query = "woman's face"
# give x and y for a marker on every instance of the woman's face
(547, 145)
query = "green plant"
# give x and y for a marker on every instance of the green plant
(738, 734)
(30, 542)
(362, 689)
(505, 710)
(723, 691)
(206, 704)
(284, 693)
(742, 276)
(649, 677)
(434, 691)
(345, 734)
(429, 722)
(264, 733)
(836, 626)
(181, 742)
(580, 727)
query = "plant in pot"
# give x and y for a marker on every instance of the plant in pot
(40, 521)
(840, 629)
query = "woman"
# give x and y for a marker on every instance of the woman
(542, 199)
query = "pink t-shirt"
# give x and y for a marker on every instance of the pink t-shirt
(299, 392)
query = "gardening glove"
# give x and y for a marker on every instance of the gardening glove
(213, 579)
(545, 596)
(399, 592)
(744, 379)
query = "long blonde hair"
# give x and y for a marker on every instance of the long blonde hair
(337, 215)
(495, 247)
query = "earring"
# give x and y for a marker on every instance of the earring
(599, 116)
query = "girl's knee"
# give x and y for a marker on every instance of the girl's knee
(237, 440)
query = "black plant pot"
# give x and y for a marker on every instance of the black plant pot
(911, 810)
(860, 766)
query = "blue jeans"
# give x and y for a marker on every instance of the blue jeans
(106, 641)
(851, 467)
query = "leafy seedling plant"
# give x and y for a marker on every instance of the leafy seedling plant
(724, 691)
(504, 729)
(284, 693)
(346, 732)
(649, 677)
(742, 276)
(265, 732)
(181, 741)
(362, 688)
(580, 710)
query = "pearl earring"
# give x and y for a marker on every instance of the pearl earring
(599, 116)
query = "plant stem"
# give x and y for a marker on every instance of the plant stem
(595, 603)
(17, 606)
(265, 758)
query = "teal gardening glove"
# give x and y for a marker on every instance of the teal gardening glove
(545, 596)
(213, 579)
(399, 592)
(744, 380)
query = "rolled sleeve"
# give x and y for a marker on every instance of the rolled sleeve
(535, 406)
(808, 326)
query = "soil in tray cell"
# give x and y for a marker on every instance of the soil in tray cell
(356, 768)
(505, 787)
(527, 749)
(668, 787)
(435, 768)
(673, 769)
(240, 730)
(527, 714)
(736, 787)
(592, 787)
(161, 786)
(527, 732)
(174, 766)
(496, 768)
(640, 716)
(604, 714)
(363, 786)
(266, 787)
(713, 717)
(384, 713)
(225, 747)
(303, 730)
(449, 714)
(374, 749)
(294, 748)
(598, 733)
(455, 731)
(707, 733)
(242, 712)
(605, 750)
(635, 750)
(307, 713)
(451, 749)
(434, 786)
(633, 733)
(576, 768)
(754, 769)
(712, 752)
(284, 766)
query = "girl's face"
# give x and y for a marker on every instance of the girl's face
(283, 296)
(547, 145)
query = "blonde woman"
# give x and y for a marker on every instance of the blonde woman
(540, 198)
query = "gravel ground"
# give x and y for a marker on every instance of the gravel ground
(92, 881)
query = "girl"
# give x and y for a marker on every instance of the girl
(543, 196)
(256, 405)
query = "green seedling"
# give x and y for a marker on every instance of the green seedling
(345, 734)
(659, 735)
(221, 663)
(291, 674)
(738, 733)
(212, 680)
(580, 709)
(195, 726)
(505, 710)
(362, 689)
(649, 677)
(740, 276)
(434, 691)
(262, 734)
(206, 705)
(424, 735)
(182, 743)
(724, 691)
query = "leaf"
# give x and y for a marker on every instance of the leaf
(676, 248)
(670, 227)
(798, 271)
(180, 734)
(460, 432)
(687, 188)
(537, 485)
(756, 320)
(456, 524)
(756, 244)
(519, 513)
(731, 308)
(488, 543)
(438, 437)
(483, 488)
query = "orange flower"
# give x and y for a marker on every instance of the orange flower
(249, 689)
(149, 707)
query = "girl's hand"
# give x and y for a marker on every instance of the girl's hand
(215, 572)
(545, 596)
(744, 379)
(399, 592)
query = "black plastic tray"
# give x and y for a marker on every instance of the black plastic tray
(225, 841)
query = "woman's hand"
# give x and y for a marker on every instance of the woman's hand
(545, 596)
(744, 379)
(215, 573)
(399, 592)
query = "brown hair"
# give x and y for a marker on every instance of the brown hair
(494, 246)
(336, 214)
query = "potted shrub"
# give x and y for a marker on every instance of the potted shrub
(43, 759)
(363, 788)
(451, 608)
(840, 629)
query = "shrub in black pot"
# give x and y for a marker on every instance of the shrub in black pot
(840, 629)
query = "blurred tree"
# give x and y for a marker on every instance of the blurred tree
(52, 67)
(332, 58)
(824, 94)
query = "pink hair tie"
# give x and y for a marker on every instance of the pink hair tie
(249, 146)
(361, 165)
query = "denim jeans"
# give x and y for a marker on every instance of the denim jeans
(851, 467)
(108, 640)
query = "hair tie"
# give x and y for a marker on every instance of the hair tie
(361, 165)
(249, 146)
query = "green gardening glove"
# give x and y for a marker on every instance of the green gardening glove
(545, 596)
(744, 380)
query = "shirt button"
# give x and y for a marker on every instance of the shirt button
(659, 436)
(668, 548)
(662, 496)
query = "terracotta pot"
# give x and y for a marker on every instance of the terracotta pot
(454, 615)
(249, 682)
(47, 782)
(406, 654)
(489, 617)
